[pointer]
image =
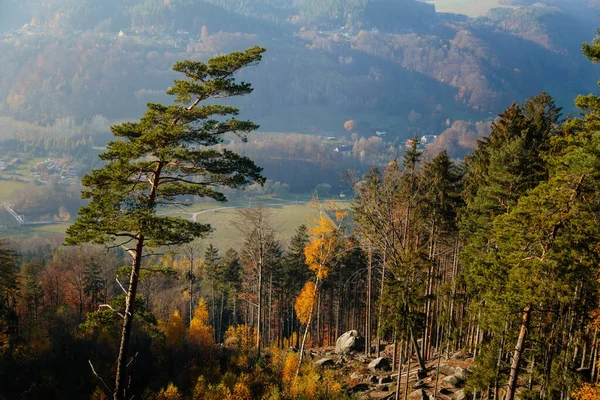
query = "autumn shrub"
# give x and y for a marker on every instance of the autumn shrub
(174, 331)
(588, 392)
(240, 336)
(200, 389)
(99, 395)
(289, 368)
(201, 333)
(241, 392)
(169, 393)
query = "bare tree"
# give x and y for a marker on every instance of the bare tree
(255, 226)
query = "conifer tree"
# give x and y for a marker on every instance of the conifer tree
(169, 153)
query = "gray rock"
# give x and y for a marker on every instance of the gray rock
(445, 392)
(361, 387)
(452, 380)
(418, 394)
(380, 364)
(372, 379)
(382, 388)
(349, 341)
(445, 369)
(385, 379)
(459, 395)
(356, 376)
(324, 362)
(460, 373)
(420, 384)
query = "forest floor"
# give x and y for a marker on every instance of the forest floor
(369, 383)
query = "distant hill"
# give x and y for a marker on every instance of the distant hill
(390, 65)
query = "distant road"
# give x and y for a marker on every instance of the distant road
(293, 202)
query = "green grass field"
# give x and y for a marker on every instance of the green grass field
(285, 219)
(8, 187)
(472, 8)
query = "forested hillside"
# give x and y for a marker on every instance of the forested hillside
(403, 68)
(460, 260)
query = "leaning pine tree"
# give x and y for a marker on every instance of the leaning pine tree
(169, 153)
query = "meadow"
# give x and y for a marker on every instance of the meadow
(471, 8)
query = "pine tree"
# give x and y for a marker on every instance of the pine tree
(94, 284)
(9, 284)
(167, 154)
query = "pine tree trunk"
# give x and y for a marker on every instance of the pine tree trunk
(408, 357)
(399, 379)
(259, 292)
(417, 350)
(368, 310)
(499, 361)
(514, 368)
(380, 306)
(121, 386)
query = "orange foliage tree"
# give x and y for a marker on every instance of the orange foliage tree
(201, 333)
(587, 392)
(319, 253)
(174, 331)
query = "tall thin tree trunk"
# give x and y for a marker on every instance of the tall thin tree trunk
(259, 292)
(514, 368)
(368, 305)
(399, 379)
(121, 386)
(417, 350)
(379, 316)
(499, 361)
(408, 357)
(307, 328)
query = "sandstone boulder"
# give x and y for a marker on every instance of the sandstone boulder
(380, 365)
(349, 341)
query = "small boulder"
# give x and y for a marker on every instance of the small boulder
(356, 376)
(445, 392)
(459, 395)
(460, 373)
(372, 379)
(418, 394)
(382, 388)
(349, 341)
(419, 385)
(324, 363)
(385, 379)
(380, 364)
(445, 369)
(361, 387)
(452, 380)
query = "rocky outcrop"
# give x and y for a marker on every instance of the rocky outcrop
(349, 341)
(380, 364)
(418, 395)
(453, 381)
(324, 362)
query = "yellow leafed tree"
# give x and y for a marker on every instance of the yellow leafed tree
(174, 331)
(201, 333)
(170, 393)
(319, 253)
(305, 302)
(588, 392)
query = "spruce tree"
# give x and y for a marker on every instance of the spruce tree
(171, 152)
